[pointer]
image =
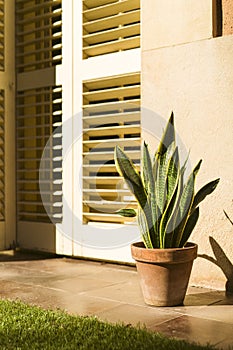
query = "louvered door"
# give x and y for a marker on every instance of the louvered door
(38, 109)
(7, 125)
(2, 156)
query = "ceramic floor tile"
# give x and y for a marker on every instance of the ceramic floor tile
(77, 285)
(57, 266)
(54, 299)
(128, 292)
(114, 274)
(86, 306)
(196, 329)
(43, 297)
(222, 313)
(136, 315)
(203, 298)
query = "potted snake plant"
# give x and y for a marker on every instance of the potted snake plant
(167, 212)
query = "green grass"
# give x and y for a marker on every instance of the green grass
(30, 327)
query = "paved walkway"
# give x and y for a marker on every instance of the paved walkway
(112, 293)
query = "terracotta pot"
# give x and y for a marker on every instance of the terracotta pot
(164, 273)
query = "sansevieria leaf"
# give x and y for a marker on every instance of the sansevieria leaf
(186, 201)
(190, 224)
(150, 183)
(203, 192)
(129, 213)
(144, 229)
(127, 169)
(167, 208)
(161, 180)
(168, 136)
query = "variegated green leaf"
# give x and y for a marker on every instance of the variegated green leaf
(149, 178)
(203, 192)
(144, 230)
(166, 224)
(185, 204)
(168, 136)
(127, 170)
(191, 223)
(127, 212)
(161, 181)
(172, 173)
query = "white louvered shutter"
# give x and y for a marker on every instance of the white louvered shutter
(39, 111)
(1, 35)
(110, 26)
(111, 116)
(2, 156)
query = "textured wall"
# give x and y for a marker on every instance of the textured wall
(195, 80)
(170, 22)
(227, 17)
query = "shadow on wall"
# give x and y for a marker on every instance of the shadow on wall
(221, 260)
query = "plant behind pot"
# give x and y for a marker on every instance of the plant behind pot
(167, 214)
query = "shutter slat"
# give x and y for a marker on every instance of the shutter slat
(113, 130)
(111, 82)
(112, 46)
(112, 21)
(112, 34)
(104, 156)
(111, 9)
(110, 206)
(115, 118)
(95, 3)
(112, 143)
(118, 92)
(104, 192)
(106, 218)
(111, 106)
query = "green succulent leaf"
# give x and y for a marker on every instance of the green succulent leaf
(172, 173)
(161, 180)
(129, 213)
(185, 205)
(144, 229)
(149, 182)
(203, 192)
(191, 223)
(168, 136)
(128, 171)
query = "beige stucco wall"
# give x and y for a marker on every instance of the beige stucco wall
(195, 80)
(170, 22)
(227, 17)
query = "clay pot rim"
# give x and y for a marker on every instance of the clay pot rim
(165, 255)
(140, 245)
